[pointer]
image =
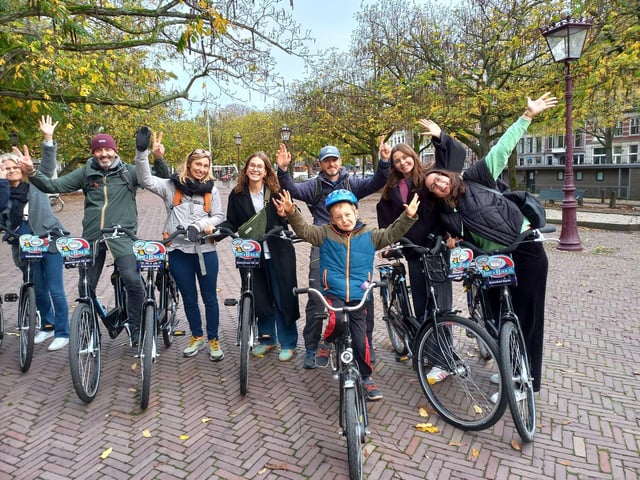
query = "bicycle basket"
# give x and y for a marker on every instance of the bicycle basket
(436, 268)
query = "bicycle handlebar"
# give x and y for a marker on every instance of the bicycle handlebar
(531, 235)
(118, 231)
(55, 233)
(277, 231)
(406, 243)
(345, 308)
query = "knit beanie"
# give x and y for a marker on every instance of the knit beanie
(102, 140)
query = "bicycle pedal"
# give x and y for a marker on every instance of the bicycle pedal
(10, 297)
(179, 333)
(230, 302)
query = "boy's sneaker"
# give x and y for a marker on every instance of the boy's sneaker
(373, 394)
(322, 356)
(42, 336)
(195, 345)
(309, 360)
(215, 352)
(58, 343)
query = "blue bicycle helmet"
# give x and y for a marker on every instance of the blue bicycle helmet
(338, 196)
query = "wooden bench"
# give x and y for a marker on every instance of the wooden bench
(555, 194)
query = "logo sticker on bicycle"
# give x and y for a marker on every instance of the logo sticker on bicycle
(497, 269)
(74, 250)
(149, 254)
(246, 251)
(32, 246)
(459, 262)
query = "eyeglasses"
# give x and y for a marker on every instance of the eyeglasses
(200, 151)
(439, 180)
(257, 168)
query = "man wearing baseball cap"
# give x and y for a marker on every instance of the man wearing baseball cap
(314, 193)
(109, 186)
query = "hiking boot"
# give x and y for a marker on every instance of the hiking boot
(195, 345)
(371, 389)
(309, 360)
(215, 352)
(322, 356)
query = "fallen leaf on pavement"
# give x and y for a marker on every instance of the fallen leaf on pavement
(184, 437)
(516, 445)
(146, 433)
(106, 453)
(423, 412)
(427, 427)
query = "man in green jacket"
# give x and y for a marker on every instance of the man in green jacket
(109, 186)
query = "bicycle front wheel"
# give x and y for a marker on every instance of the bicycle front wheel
(393, 319)
(147, 353)
(84, 352)
(456, 377)
(245, 319)
(28, 313)
(354, 430)
(519, 385)
(56, 204)
(172, 301)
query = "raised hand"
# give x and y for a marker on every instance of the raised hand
(47, 127)
(534, 107)
(412, 208)
(285, 202)
(431, 128)
(283, 157)
(24, 160)
(143, 137)
(384, 151)
(157, 147)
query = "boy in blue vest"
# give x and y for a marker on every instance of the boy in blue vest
(347, 252)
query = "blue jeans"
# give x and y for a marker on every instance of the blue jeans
(274, 325)
(51, 299)
(185, 268)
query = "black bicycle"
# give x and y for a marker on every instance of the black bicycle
(483, 272)
(352, 406)
(247, 254)
(444, 346)
(32, 250)
(157, 316)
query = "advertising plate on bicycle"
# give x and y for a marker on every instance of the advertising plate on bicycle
(496, 269)
(74, 250)
(32, 246)
(149, 254)
(247, 252)
(459, 261)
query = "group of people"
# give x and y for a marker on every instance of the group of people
(417, 200)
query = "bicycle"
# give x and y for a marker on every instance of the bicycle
(32, 250)
(152, 259)
(453, 376)
(352, 404)
(56, 202)
(495, 270)
(247, 254)
(84, 331)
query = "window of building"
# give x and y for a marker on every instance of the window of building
(578, 139)
(578, 175)
(578, 159)
(617, 131)
(560, 141)
(634, 126)
(560, 175)
(538, 144)
(633, 153)
(521, 146)
(549, 159)
(599, 156)
(617, 154)
(599, 176)
(529, 144)
(550, 142)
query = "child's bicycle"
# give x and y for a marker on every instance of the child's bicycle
(352, 407)
(32, 250)
(247, 254)
(495, 272)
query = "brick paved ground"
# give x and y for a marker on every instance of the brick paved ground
(286, 425)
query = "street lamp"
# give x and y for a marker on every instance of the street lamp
(238, 139)
(565, 40)
(285, 135)
(13, 138)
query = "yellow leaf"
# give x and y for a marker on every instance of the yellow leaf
(477, 409)
(516, 445)
(423, 412)
(184, 437)
(106, 453)
(475, 452)
(134, 366)
(205, 420)
(456, 444)
(427, 427)
(566, 463)
(146, 433)
(262, 471)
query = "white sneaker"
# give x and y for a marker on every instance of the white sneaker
(42, 335)
(58, 343)
(519, 397)
(495, 379)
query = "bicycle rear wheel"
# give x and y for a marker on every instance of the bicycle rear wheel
(172, 301)
(56, 204)
(474, 304)
(245, 318)
(84, 352)
(518, 386)
(354, 429)
(393, 319)
(27, 316)
(461, 392)
(147, 353)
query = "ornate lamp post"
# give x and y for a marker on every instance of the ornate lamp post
(285, 135)
(13, 138)
(238, 138)
(565, 40)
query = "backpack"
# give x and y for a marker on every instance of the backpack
(178, 195)
(318, 192)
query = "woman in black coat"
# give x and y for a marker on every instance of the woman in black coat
(276, 306)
